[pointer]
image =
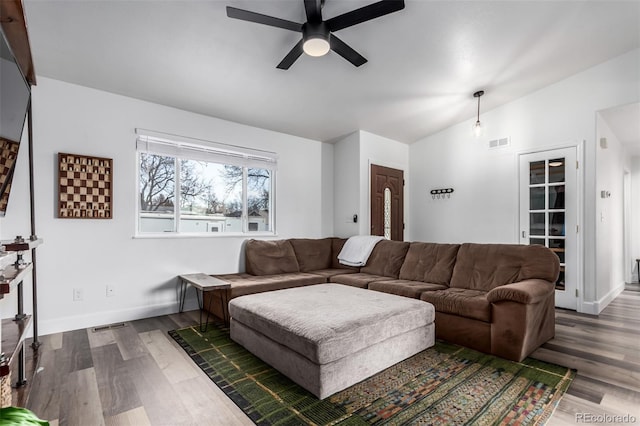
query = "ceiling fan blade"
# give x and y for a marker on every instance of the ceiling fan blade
(342, 49)
(259, 18)
(313, 9)
(291, 57)
(364, 14)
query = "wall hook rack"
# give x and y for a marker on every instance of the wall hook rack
(441, 193)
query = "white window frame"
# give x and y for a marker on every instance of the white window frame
(180, 147)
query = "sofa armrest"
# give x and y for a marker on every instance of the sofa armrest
(527, 292)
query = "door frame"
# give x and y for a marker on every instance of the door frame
(579, 145)
(366, 223)
(626, 227)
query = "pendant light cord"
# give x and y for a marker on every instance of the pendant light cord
(478, 94)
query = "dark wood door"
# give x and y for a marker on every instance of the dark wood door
(387, 202)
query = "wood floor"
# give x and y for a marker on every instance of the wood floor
(137, 375)
(606, 352)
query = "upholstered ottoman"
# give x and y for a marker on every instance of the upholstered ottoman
(327, 337)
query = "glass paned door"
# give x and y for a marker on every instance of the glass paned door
(547, 208)
(548, 213)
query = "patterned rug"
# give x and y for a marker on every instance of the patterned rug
(443, 385)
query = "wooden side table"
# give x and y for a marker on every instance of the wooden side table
(202, 283)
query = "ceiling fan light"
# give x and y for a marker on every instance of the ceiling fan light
(315, 38)
(316, 46)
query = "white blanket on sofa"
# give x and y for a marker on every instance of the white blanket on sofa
(356, 250)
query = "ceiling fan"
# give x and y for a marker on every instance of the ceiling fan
(317, 34)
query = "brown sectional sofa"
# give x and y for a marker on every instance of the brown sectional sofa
(495, 298)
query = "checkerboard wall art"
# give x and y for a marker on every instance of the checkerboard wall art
(85, 187)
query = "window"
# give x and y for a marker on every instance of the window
(387, 213)
(187, 186)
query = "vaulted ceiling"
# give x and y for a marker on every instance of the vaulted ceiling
(424, 62)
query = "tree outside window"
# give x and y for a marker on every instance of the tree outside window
(212, 196)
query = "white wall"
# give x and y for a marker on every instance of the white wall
(484, 206)
(327, 190)
(611, 163)
(346, 185)
(89, 254)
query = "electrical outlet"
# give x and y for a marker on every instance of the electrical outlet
(78, 295)
(111, 291)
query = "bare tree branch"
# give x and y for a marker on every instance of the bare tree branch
(157, 179)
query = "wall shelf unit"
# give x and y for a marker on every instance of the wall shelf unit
(13, 336)
(13, 267)
(11, 277)
(24, 245)
(13, 331)
(13, 271)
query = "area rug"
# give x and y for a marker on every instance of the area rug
(443, 385)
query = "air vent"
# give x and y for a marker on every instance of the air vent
(499, 143)
(109, 327)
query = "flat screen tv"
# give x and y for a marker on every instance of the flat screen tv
(15, 94)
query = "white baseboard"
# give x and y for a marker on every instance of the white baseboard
(594, 308)
(103, 318)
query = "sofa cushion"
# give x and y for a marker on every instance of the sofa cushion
(312, 254)
(487, 266)
(233, 277)
(404, 288)
(336, 248)
(429, 262)
(386, 258)
(270, 257)
(459, 301)
(260, 284)
(328, 273)
(356, 279)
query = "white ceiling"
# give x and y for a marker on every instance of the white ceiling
(424, 61)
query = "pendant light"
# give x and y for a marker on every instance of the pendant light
(477, 128)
